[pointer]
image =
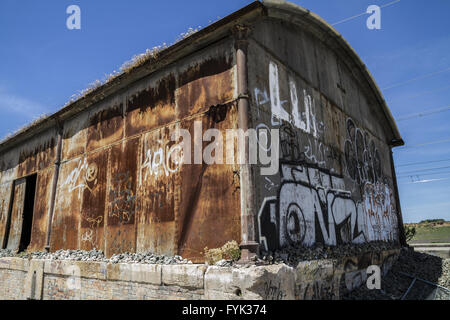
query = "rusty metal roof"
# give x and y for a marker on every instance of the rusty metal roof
(273, 8)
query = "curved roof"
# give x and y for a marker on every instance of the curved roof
(301, 16)
(220, 29)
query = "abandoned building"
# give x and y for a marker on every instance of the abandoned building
(87, 176)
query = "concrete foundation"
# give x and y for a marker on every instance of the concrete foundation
(23, 279)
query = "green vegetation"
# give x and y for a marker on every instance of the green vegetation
(410, 232)
(428, 231)
(229, 251)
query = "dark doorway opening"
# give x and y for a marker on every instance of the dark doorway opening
(28, 208)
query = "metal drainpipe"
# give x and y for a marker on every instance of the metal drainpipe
(249, 246)
(59, 128)
(401, 228)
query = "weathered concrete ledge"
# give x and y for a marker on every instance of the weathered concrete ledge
(66, 279)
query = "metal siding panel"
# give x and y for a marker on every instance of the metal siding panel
(41, 210)
(15, 230)
(93, 205)
(121, 205)
(5, 200)
(66, 219)
(158, 188)
(209, 200)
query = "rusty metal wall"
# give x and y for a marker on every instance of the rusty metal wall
(120, 187)
(113, 195)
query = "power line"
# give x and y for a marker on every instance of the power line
(423, 162)
(422, 170)
(422, 144)
(415, 79)
(425, 181)
(420, 94)
(364, 13)
(423, 175)
(423, 114)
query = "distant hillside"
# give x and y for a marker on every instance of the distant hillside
(431, 231)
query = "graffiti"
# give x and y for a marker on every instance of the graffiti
(310, 202)
(361, 155)
(122, 197)
(91, 172)
(315, 290)
(120, 244)
(261, 98)
(312, 150)
(88, 236)
(313, 206)
(381, 217)
(290, 144)
(73, 180)
(270, 184)
(80, 177)
(315, 152)
(273, 291)
(168, 159)
(304, 120)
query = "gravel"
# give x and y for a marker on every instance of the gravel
(98, 256)
(395, 284)
(224, 263)
(293, 255)
(6, 253)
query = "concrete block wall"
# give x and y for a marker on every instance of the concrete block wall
(22, 279)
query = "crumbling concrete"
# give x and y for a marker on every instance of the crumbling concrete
(68, 279)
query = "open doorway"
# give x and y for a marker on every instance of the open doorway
(28, 208)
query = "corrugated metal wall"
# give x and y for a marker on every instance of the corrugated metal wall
(118, 187)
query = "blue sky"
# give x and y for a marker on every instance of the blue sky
(42, 64)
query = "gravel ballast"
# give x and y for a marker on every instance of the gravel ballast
(98, 256)
(293, 255)
(395, 284)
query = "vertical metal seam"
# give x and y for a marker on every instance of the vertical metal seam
(59, 128)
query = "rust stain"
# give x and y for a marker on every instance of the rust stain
(37, 158)
(105, 127)
(152, 107)
(75, 137)
(202, 86)
(208, 67)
